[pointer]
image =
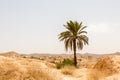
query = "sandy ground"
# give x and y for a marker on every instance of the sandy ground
(79, 74)
(15, 67)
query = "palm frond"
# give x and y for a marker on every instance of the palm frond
(82, 32)
(76, 31)
(69, 43)
(80, 44)
(77, 27)
(64, 35)
(83, 38)
(82, 28)
(66, 44)
(71, 27)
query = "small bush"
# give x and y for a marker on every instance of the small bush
(32, 57)
(65, 62)
(24, 57)
(59, 65)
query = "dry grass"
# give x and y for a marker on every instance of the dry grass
(109, 64)
(17, 68)
(40, 74)
(96, 75)
(25, 69)
(68, 70)
(106, 68)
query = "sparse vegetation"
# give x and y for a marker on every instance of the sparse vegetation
(65, 62)
(34, 57)
(20, 68)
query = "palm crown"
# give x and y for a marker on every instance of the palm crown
(75, 31)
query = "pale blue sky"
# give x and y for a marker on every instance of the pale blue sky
(32, 26)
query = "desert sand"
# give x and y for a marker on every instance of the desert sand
(14, 66)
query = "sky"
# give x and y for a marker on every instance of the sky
(32, 26)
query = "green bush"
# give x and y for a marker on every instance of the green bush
(65, 62)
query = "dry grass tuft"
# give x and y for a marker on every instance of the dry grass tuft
(40, 74)
(109, 64)
(25, 69)
(68, 70)
(105, 67)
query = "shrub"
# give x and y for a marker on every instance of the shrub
(65, 62)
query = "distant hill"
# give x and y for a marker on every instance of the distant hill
(10, 54)
(15, 54)
(65, 55)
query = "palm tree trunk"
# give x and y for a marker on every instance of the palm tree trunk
(75, 58)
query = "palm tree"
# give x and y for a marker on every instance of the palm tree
(74, 37)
